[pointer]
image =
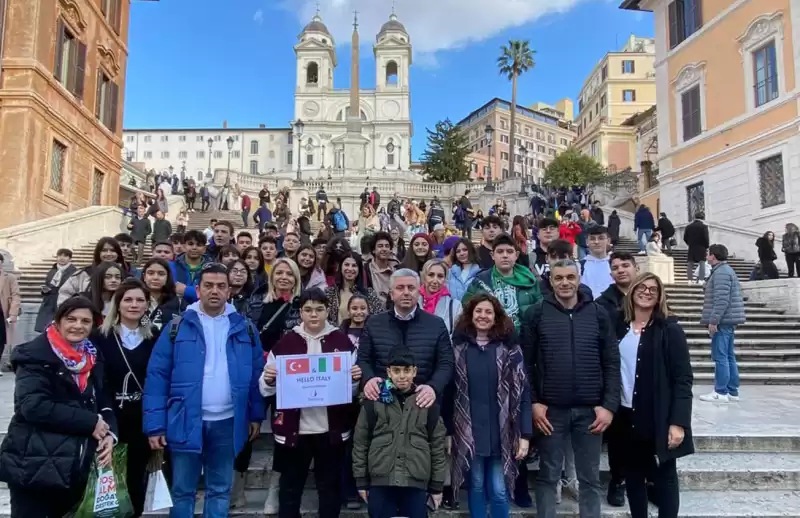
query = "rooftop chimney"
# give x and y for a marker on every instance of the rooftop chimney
(225, 124)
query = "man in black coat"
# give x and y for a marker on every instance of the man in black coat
(574, 366)
(695, 235)
(666, 229)
(409, 326)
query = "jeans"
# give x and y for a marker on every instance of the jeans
(204, 203)
(726, 370)
(138, 252)
(328, 458)
(574, 423)
(216, 464)
(245, 215)
(389, 501)
(322, 211)
(646, 232)
(486, 476)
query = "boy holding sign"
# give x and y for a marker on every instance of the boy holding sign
(395, 471)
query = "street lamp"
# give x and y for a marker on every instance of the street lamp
(489, 131)
(229, 140)
(210, 143)
(298, 133)
(523, 152)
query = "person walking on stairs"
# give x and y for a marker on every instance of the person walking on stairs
(695, 235)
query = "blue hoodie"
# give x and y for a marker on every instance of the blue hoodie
(181, 273)
(174, 401)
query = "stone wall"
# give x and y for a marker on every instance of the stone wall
(783, 294)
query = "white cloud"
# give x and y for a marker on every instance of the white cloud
(258, 17)
(434, 25)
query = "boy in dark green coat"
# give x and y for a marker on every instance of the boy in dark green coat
(398, 447)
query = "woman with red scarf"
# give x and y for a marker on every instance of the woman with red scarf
(62, 416)
(435, 297)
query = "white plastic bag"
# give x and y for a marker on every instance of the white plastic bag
(157, 497)
(706, 270)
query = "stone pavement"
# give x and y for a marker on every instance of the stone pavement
(747, 465)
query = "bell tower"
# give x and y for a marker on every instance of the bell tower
(316, 57)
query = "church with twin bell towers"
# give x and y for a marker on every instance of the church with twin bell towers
(354, 129)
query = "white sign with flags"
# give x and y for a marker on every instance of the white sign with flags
(314, 380)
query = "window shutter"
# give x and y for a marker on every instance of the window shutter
(80, 70)
(98, 99)
(698, 14)
(686, 115)
(633, 95)
(673, 24)
(57, 72)
(113, 106)
(633, 70)
(117, 19)
(696, 115)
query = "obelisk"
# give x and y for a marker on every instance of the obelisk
(355, 156)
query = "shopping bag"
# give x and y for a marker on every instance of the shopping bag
(106, 494)
(157, 497)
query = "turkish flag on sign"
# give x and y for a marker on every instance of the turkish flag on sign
(300, 366)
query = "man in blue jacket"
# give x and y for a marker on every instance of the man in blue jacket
(201, 396)
(643, 225)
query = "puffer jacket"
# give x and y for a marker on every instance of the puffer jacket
(75, 285)
(425, 334)
(791, 243)
(49, 443)
(456, 286)
(183, 274)
(415, 457)
(573, 356)
(173, 390)
(723, 304)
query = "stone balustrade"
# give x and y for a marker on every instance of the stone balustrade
(662, 266)
(781, 294)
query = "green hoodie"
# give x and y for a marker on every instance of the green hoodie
(516, 293)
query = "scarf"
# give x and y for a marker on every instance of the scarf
(56, 280)
(521, 277)
(510, 381)
(79, 359)
(429, 300)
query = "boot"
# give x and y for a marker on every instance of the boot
(237, 493)
(271, 505)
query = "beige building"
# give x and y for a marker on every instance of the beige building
(621, 85)
(62, 82)
(645, 129)
(727, 73)
(542, 135)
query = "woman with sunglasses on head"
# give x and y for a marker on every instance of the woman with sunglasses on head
(350, 281)
(311, 277)
(164, 304)
(652, 427)
(126, 341)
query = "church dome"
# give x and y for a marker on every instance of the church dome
(393, 25)
(316, 25)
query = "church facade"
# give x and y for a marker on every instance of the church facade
(376, 137)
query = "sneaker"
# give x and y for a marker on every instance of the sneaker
(354, 504)
(271, 505)
(733, 399)
(715, 398)
(571, 488)
(616, 494)
(448, 501)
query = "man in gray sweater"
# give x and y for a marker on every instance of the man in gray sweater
(723, 310)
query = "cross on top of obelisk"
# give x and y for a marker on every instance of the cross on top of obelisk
(355, 20)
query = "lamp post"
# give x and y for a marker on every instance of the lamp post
(210, 143)
(489, 131)
(229, 140)
(298, 133)
(523, 152)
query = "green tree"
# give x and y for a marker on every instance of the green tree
(515, 59)
(445, 159)
(572, 167)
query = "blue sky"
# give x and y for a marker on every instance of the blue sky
(194, 64)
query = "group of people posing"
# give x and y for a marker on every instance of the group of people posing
(468, 362)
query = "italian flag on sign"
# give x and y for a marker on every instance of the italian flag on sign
(329, 364)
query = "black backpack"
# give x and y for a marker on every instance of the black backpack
(175, 324)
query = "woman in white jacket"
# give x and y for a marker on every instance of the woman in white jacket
(435, 297)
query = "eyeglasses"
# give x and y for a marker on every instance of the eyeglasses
(239, 271)
(652, 290)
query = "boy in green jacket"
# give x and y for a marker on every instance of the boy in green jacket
(399, 447)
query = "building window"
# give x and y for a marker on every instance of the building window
(603, 101)
(200, 154)
(564, 142)
(164, 138)
(182, 138)
(58, 165)
(290, 140)
(503, 155)
(629, 96)
(309, 159)
(594, 149)
(765, 74)
(691, 113)
(628, 66)
(183, 155)
(253, 147)
(503, 124)
(517, 142)
(199, 138)
(98, 179)
(236, 153)
(390, 159)
(70, 60)
(685, 18)
(391, 73)
(695, 200)
(604, 73)
(289, 157)
(272, 154)
(129, 138)
(771, 184)
(551, 152)
(312, 74)
(217, 138)
(147, 138)
(540, 149)
(272, 138)
(540, 164)
(253, 166)
(217, 154)
(148, 155)
(165, 154)
(112, 10)
(504, 139)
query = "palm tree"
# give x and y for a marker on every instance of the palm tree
(515, 59)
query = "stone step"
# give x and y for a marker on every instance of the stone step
(753, 318)
(742, 342)
(744, 332)
(753, 366)
(764, 378)
(753, 354)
